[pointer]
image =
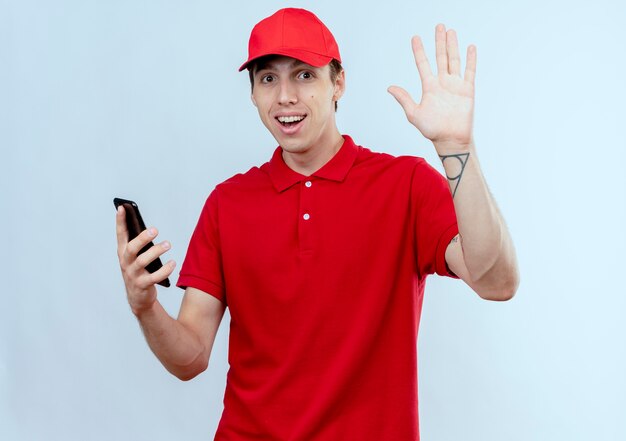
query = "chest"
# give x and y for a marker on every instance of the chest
(336, 220)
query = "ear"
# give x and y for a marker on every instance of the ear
(340, 85)
(253, 100)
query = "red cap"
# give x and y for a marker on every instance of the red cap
(295, 33)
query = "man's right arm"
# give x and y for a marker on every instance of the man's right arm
(182, 345)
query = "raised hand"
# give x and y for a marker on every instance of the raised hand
(446, 111)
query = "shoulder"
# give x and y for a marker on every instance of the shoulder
(255, 177)
(243, 189)
(398, 170)
(243, 178)
(373, 159)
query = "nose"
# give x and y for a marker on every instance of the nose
(287, 93)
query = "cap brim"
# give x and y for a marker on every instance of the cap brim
(311, 58)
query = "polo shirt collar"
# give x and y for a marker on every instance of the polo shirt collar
(335, 169)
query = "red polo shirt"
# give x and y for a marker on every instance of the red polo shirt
(324, 279)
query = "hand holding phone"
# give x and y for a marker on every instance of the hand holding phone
(135, 225)
(139, 256)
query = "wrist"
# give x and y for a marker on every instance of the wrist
(142, 311)
(446, 147)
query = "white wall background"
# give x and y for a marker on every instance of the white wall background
(141, 99)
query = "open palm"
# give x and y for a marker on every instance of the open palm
(446, 110)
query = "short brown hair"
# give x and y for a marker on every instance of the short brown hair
(259, 63)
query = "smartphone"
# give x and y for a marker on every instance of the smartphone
(135, 225)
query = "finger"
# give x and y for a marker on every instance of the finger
(163, 273)
(120, 229)
(454, 60)
(470, 65)
(403, 97)
(151, 254)
(421, 61)
(135, 245)
(440, 49)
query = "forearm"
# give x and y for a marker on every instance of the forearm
(178, 348)
(487, 246)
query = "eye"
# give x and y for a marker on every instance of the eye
(306, 75)
(267, 79)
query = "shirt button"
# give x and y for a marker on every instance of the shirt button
(306, 216)
(308, 183)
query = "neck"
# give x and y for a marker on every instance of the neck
(312, 159)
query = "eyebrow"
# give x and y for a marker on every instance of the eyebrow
(271, 65)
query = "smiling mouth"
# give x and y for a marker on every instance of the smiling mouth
(289, 121)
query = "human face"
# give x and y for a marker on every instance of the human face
(286, 89)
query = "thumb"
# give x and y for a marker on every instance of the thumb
(403, 97)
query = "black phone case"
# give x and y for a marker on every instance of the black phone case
(135, 225)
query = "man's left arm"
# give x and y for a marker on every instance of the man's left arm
(482, 254)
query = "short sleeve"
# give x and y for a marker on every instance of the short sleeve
(202, 267)
(435, 219)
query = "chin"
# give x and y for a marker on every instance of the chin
(292, 145)
(296, 147)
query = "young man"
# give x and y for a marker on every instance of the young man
(321, 254)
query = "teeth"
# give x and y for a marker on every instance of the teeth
(290, 119)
